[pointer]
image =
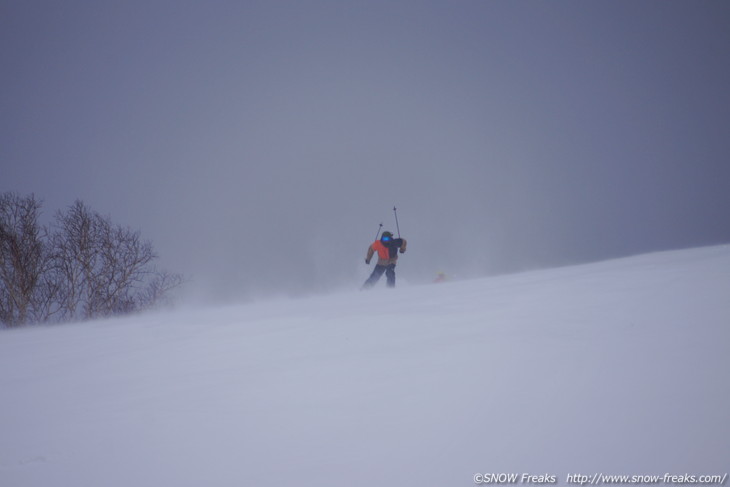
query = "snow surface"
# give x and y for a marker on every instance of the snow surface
(619, 367)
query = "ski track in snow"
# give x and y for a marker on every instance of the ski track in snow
(617, 367)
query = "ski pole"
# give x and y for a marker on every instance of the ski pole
(395, 212)
(378, 234)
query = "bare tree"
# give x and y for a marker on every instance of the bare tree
(23, 261)
(157, 290)
(104, 269)
(123, 267)
(82, 267)
(72, 257)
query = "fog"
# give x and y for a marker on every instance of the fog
(259, 144)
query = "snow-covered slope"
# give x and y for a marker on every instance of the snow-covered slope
(619, 367)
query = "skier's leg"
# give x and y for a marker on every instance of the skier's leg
(390, 275)
(374, 277)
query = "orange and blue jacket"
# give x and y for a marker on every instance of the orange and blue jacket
(387, 253)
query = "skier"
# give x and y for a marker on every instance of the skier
(387, 248)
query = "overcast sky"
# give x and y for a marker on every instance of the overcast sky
(258, 144)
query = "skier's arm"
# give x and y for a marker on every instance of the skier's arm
(403, 245)
(369, 256)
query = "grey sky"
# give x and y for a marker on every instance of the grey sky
(259, 144)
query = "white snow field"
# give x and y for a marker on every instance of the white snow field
(619, 367)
